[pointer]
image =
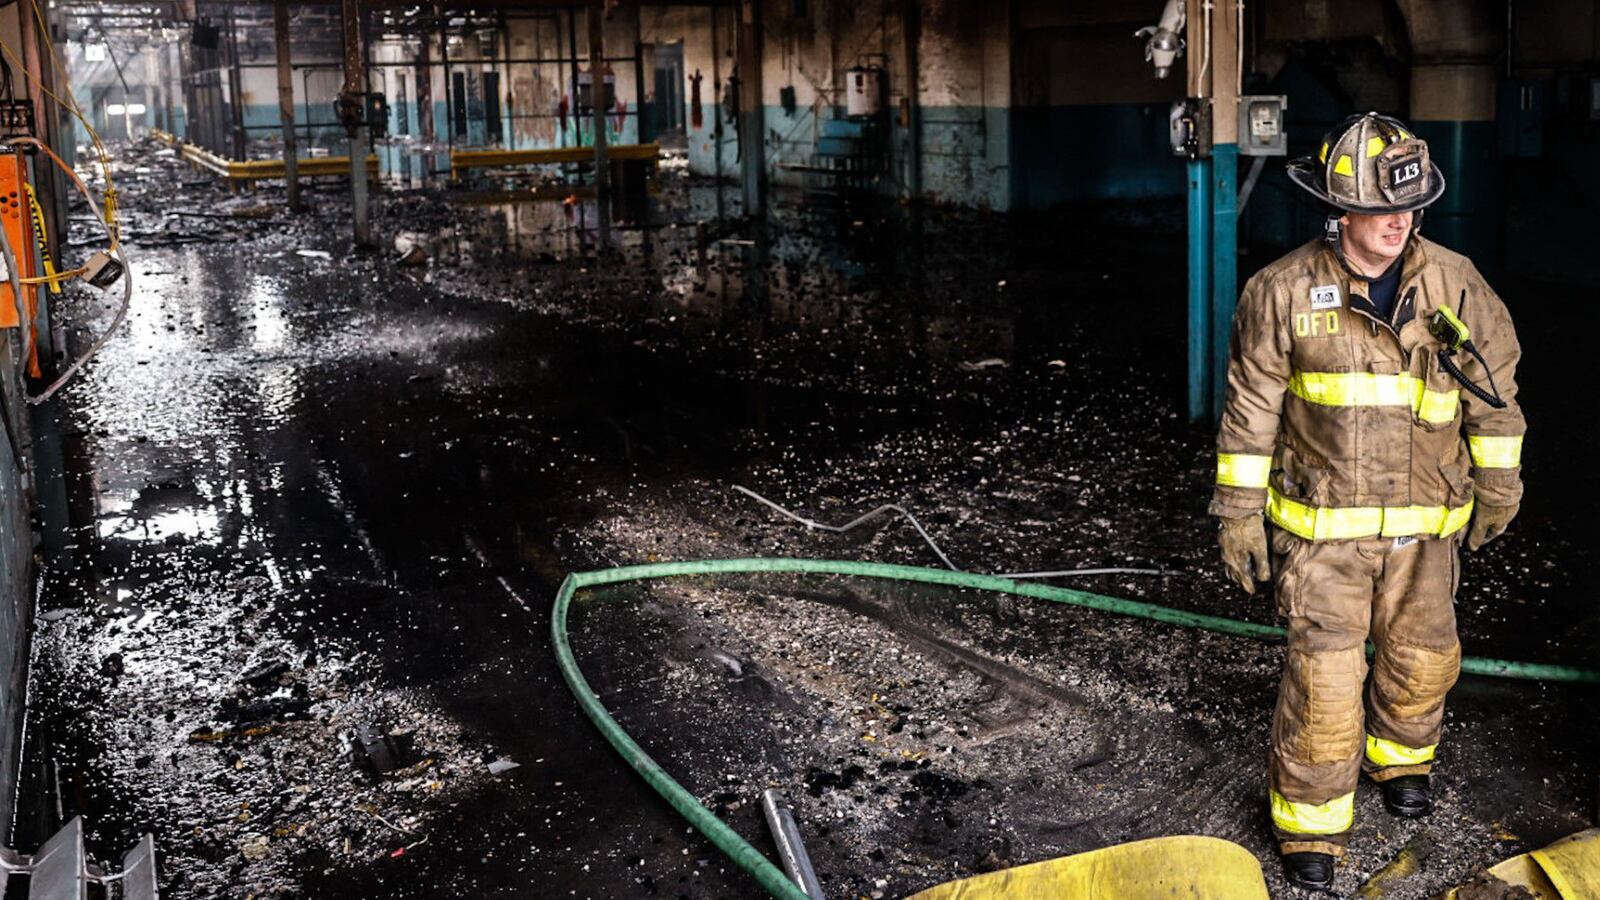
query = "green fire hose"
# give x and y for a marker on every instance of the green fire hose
(737, 848)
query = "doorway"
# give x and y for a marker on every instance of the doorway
(666, 116)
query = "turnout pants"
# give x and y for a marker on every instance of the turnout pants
(1332, 721)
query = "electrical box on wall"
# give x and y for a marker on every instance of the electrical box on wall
(1189, 126)
(378, 115)
(864, 99)
(1261, 125)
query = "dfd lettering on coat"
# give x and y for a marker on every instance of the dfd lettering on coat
(1316, 324)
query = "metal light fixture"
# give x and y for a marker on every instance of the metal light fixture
(1164, 40)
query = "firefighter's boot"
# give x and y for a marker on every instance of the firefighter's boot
(1312, 871)
(1407, 796)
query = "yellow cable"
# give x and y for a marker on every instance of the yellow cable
(71, 107)
(77, 180)
(103, 157)
(61, 76)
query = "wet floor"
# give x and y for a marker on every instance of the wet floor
(313, 495)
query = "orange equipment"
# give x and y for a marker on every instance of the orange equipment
(16, 214)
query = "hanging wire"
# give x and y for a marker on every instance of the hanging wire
(932, 544)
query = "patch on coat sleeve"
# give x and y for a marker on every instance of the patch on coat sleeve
(1325, 296)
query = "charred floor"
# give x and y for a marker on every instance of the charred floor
(338, 336)
(315, 492)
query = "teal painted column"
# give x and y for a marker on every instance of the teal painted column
(1200, 233)
(1224, 265)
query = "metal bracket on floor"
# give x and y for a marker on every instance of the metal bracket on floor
(61, 869)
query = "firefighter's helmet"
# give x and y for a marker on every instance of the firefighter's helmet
(1370, 164)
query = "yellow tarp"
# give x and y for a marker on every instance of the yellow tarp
(1573, 865)
(1189, 867)
(1569, 869)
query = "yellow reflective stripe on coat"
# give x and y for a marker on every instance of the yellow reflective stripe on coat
(1495, 452)
(1332, 817)
(1370, 389)
(1388, 753)
(1244, 470)
(1334, 523)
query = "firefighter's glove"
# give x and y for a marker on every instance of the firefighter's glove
(1489, 522)
(1244, 550)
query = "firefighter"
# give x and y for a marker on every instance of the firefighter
(1372, 420)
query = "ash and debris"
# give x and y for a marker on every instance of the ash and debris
(314, 491)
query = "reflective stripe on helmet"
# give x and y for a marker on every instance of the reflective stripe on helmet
(1244, 470)
(1344, 166)
(1375, 146)
(1371, 389)
(1389, 753)
(1344, 523)
(1495, 452)
(1333, 817)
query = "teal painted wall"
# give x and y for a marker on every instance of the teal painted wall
(703, 144)
(263, 120)
(1551, 198)
(1468, 218)
(985, 157)
(998, 158)
(966, 155)
(965, 152)
(1073, 154)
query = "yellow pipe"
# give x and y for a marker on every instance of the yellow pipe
(477, 159)
(259, 169)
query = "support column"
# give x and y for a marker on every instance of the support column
(752, 117)
(911, 26)
(164, 78)
(151, 109)
(353, 110)
(1200, 236)
(714, 103)
(1199, 232)
(1214, 72)
(189, 91)
(235, 89)
(449, 85)
(425, 92)
(572, 57)
(291, 158)
(1225, 75)
(638, 78)
(597, 93)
